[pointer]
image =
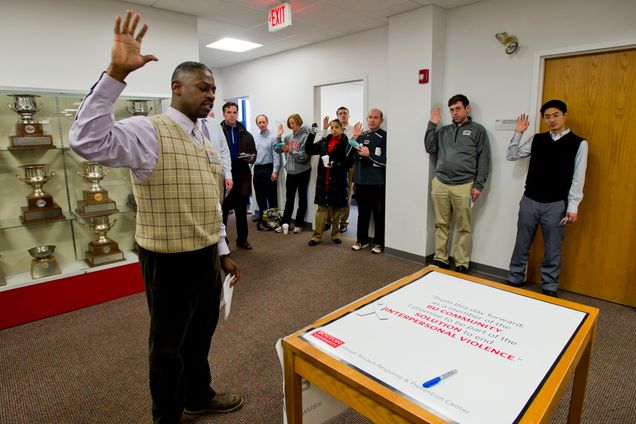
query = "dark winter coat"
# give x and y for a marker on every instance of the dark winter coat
(335, 192)
(241, 172)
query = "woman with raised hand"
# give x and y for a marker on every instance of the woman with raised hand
(298, 167)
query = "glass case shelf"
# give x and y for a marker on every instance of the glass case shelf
(7, 224)
(54, 116)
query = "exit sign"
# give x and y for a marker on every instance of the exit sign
(279, 17)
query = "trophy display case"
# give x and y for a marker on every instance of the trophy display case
(58, 211)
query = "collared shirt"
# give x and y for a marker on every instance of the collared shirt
(128, 143)
(265, 154)
(518, 150)
(217, 138)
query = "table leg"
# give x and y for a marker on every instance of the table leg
(580, 382)
(293, 393)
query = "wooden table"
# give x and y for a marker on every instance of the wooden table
(383, 405)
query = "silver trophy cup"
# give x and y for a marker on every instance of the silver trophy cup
(25, 106)
(43, 263)
(139, 108)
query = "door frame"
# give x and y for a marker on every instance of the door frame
(317, 99)
(538, 68)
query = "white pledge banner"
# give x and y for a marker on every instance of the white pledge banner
(467, 352)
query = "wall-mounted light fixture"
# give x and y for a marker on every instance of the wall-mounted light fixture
(510, 42)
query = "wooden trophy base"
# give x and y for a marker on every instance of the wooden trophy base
(40, 202)
(97, 209)
(95, 197)
(103, 253)
(30, 137)
(33, 216)
(44, 267)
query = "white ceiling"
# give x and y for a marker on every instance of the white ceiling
(312, 21)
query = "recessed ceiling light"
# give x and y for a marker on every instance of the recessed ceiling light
(233, 45)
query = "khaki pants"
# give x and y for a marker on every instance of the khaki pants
(321, 216)
(449, 199)
(344, 213)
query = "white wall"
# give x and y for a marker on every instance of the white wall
(283, 84)
(64, 45)
(408, 221)
(500, 86)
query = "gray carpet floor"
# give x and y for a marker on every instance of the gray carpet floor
(90, 365)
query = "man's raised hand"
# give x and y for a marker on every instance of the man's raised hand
(357, 130)
(125, 54)
(436, 115)
(325, 123)
(523, 122)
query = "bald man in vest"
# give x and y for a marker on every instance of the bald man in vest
(177, 180)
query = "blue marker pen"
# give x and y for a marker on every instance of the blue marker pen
(431, 383)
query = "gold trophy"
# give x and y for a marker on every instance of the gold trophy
(43, 263)
(103, 250)
(40, 207)
(95, 200)
(29, 132)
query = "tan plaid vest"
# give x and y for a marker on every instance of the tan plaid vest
(178, 206)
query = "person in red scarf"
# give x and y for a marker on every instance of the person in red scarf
(332, 182)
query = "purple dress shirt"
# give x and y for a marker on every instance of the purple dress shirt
(129, 143)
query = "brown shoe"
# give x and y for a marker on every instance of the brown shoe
(220, 403)
(244, 245)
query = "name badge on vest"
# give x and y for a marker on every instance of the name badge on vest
(213, 156)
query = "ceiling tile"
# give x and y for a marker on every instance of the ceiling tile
(267, 5)
(142, 2)
(320, 34)
(216, 10)
(312, 21)
(332, 17)
(207, 26)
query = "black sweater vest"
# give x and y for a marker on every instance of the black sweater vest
(551, 167)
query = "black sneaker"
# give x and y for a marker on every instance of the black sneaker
(343, 228)
(440, 264)
(551, 293)
(512, 284)
(461, 269)
(220, 403)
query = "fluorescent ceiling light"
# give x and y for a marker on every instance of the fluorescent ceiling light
(233, 45)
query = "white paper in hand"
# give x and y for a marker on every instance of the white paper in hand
(226, 299)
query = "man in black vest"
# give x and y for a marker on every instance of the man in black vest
(554, 189)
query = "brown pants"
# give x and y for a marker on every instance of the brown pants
(321, 217)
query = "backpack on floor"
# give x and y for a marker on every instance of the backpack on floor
(270, 219)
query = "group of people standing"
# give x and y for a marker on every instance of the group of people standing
(553, 191)
(350, 157)
(183, 163)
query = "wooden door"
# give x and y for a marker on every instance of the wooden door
(599, 251)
